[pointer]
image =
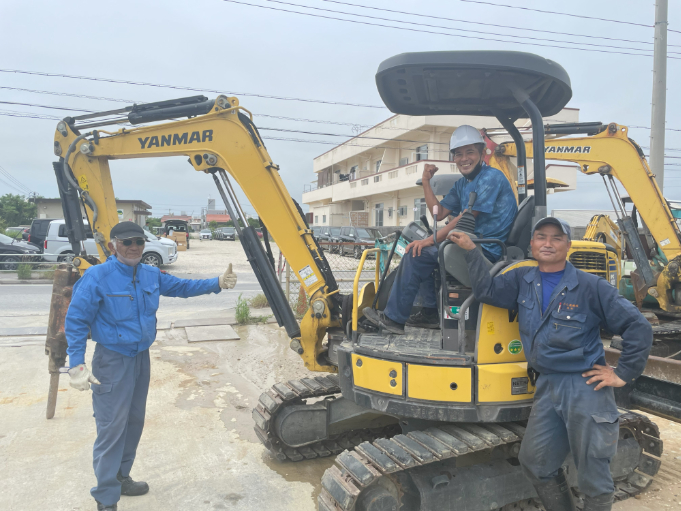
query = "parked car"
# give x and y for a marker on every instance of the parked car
(18, 232)
(357, 235)
(56, 247)
(228, 233)
(259, 231)
(38, 231)
(328, 235)
(176, 226)
(206, 234)
(13, 252)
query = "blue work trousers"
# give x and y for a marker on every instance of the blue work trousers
(414, 277)
(119, 403)
(568, 416)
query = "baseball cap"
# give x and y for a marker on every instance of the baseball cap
(561, 224)
(125, 230)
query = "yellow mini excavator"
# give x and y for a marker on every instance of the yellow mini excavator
(428, 420)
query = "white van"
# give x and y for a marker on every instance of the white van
(57, 248)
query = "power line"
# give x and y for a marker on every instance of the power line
(488, 24)
(180, 87)
(14, 180)
(428, 31)
(345, 135)
(581, 16)
(446, 28)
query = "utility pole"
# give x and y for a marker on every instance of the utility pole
(657, 124)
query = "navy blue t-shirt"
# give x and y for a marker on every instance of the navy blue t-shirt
(549, 281)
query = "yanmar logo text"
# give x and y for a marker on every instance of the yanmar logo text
(176, 139)
(568, 149)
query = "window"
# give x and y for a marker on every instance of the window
(345, 231)
(323, 219)
(377, 179)
(365, 182)
(404, 161)
(316, 219)
(378, 164)
(353, 172)
(392, 175)
(378, 215)
(334, 231)
(422, 152)
(353, 185)
(402, 211)
(420, 209)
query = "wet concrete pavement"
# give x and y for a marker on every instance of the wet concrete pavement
(198, 450)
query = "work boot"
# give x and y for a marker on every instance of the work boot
(425, 318)
(556, 494)
(102, 507)
(598, 503)
(132, 488)
(379, 319)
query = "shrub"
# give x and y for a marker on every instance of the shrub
(259, 301)
(24, 271)
(243, 312)
(49, 274)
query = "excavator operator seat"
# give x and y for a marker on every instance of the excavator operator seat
(521, 230)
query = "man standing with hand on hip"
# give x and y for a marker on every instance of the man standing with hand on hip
(560, 313)
(117, 302)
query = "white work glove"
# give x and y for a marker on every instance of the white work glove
(81, 377)
(228, 279)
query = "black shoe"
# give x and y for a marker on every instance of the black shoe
(132, 488)
(382, 321)
(556, 494)
(102, 507)
(598, 503)
(425, 319)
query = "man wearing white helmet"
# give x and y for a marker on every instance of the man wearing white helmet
(494, 209)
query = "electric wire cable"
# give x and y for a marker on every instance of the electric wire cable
(488, 24)
(581, 16)
(180, 87)
(433, 32)
(456, 29)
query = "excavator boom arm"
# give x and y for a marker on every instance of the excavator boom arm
(223, 138)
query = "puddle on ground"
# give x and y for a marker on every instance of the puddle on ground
(307, 471)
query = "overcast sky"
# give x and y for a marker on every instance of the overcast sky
(241, 49)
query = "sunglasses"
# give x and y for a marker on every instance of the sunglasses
(138, 241)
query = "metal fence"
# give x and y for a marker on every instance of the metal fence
(343, 258)
(22, 263)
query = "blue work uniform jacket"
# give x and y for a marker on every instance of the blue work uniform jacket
(566, 338)
(118, 304)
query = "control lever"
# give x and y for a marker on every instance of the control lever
(435, 213)
(467, 221)
(424, 221)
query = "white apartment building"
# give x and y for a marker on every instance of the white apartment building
(370, 180)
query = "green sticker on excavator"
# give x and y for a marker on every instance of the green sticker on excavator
(515, 347)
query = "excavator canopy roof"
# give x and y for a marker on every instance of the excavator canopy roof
(471, 83)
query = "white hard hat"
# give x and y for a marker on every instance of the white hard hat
(465, 135)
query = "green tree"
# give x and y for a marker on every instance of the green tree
(153, 222)
(16, 210)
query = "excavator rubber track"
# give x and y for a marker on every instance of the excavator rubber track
(359, 470)
(295, 392)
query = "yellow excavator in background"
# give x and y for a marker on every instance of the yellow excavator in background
(429, 420)
(609, 152)
(601, 229)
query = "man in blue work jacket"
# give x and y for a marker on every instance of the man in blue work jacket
(494, 210)
(117, 302)
(560, 313)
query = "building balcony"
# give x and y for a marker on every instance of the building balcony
(391, 180)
